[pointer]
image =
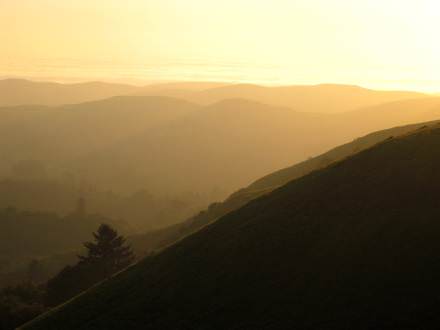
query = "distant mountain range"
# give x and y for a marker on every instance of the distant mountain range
(325, 98)
(169, 145)
(15, 92)
(351, 245)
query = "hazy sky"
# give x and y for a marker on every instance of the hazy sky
(376, 43)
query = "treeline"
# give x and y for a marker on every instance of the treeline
(107, 254)
(35, 245)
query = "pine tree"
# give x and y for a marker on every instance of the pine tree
(106, 255)
(109, 252)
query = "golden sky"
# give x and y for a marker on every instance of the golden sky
(374, 43)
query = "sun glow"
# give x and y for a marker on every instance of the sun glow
(382, 44)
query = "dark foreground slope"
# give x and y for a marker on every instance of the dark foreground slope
(353, 246)
(158, 239)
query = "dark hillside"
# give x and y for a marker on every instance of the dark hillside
(158, 239)
(351, 246)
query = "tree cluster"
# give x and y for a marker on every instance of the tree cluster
(107, 254)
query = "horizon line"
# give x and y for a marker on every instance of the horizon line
(136, 82)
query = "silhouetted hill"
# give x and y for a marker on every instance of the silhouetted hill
(352, 246)
(189, 153)
(326, 98)
(178, 89)
(281, 177)
(172, 146)
(143, 209)
(16, 271)
(158, 239)
(19, 92)
(15, 92)
(59, 135)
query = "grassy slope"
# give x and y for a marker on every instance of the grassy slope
(283, 176)
(159, 239)
(351, 246)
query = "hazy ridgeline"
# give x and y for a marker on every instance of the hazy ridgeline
(169, 146)
(156, 162)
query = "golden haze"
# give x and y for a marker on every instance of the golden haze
(380, 44)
